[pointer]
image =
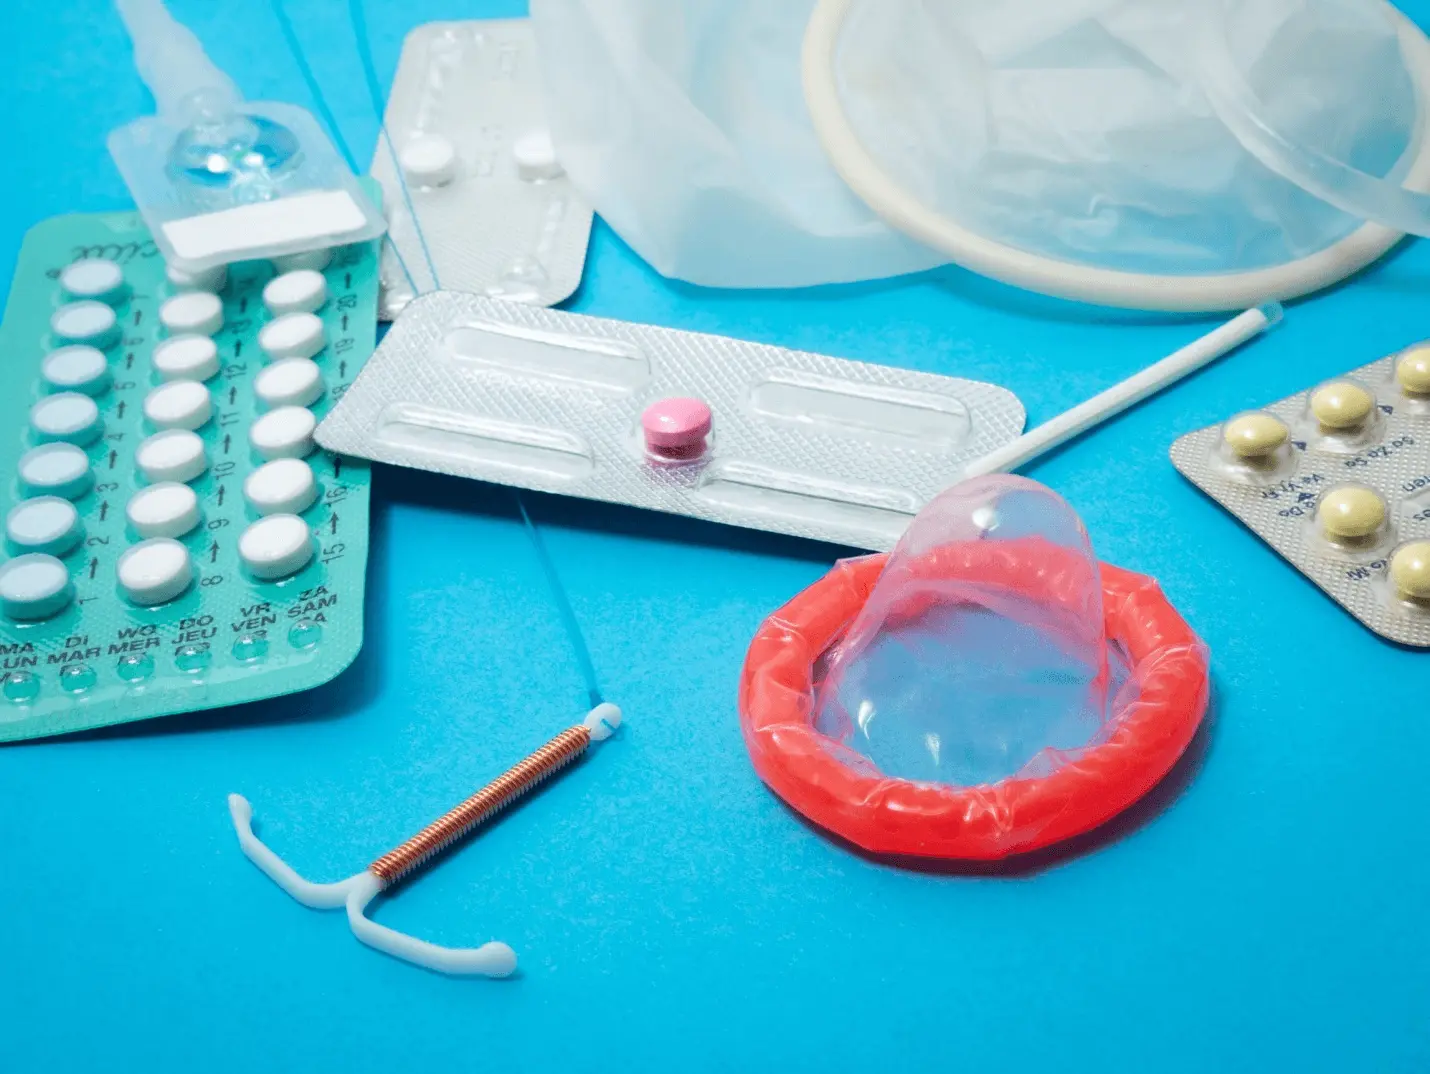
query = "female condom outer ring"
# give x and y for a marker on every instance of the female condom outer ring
(841, 791)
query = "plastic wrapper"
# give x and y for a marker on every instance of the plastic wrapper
(986, 689)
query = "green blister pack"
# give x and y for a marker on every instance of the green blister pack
(174, 601)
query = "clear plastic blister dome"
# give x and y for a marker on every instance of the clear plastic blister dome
(986, 689)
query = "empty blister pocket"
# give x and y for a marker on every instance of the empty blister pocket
(699, 425)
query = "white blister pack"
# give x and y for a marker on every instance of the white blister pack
(691, 424)
(1337, 480)
(476, 199)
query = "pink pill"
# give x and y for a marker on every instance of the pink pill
(676, 428)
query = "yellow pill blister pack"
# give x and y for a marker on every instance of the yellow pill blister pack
(1337, 480)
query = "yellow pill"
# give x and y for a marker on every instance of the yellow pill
(1413, 370)
(1410, 570)
(1351, 513)
(1342, 405)
(1254, 436)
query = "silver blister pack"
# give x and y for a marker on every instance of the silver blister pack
(1337, 480)
(793, 442)
(476, 199)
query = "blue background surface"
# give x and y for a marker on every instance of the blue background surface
(1264, 910)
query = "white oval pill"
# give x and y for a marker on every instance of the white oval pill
(428, 160)
(34, 586)
(179, 404)
(76, 368)
(56, 470)
(281, 487)
(302, 291)
(173, 455)
(99, 279)
(93, 323)
(167, 509)
(188, 357)
(308, 259)
(183, 278)
(535, 156)
(67, 416)
(195, 312)
(294, 335)
(284, 433)
(45, 524)
(276, 546)
(155, 571)
(289, 382)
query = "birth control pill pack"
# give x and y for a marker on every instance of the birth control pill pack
(681, 422)
(476, 199)
(1337, 480)
(174, 539)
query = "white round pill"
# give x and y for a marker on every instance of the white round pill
(301, 291)
(56, 470)
(93, 323)
(535, 156)
(308, 259)
(281, 487)
(173, 455)
(276, 546)
(429, 160)
(186, 358)
(76, 368)
(179, 404)
(67, 416)
(289, 382)
(167, 509)
(183, 278)
(34, 586)
(99, 279)
(155, 571)
(284, 433)
(198, 312)
(294, 335)
(45, 524)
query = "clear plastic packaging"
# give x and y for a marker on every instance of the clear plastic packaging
(986, 689)
(220, 180)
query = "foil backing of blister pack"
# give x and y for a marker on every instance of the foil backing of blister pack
(1393, 459)
(801, 443)
(479, 222)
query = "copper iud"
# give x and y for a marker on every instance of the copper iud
(493, 959)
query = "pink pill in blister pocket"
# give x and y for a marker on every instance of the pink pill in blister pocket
(676, 428)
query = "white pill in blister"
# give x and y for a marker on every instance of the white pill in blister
(167, 509)
(429, 160)
(276, 546)
(187, 357)
(535, 156)
(289, 382)
(173, 455)
(34, 586)
(155, 571)
(99, 279)
(67, 416)
(308, 259)
(76, 368)
(184, 278)
(281, 487)
(294, 335)
(44, 524)
(301, 291)
(56, 470)
(93, 323)
(179, 404)
(198, 312)
(284, 433)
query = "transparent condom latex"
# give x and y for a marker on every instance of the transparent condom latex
(986, 689)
